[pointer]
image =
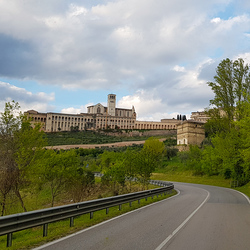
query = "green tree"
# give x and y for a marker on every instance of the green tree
(149, 158)
(231, 87)
(114, 172)
(20, 145)
(243, 126)
(80, 183)
(58, 169)
(194, 160)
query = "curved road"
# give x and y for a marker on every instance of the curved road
(199, 217)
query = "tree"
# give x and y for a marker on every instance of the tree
(114, 172)
(57, 169)
(20, 145)
(231, 87)
(149, 158)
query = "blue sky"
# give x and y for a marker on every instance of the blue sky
(61, 56)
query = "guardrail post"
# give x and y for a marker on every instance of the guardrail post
(107, 210)
(130, 204)
(71, 221)
(120, 207)
(139, 201)
(146, 198)
(91, 215)
(9, 239)
(152, 197)
(45, 230)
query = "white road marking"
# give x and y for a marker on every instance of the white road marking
(247, 198)
(182, 224)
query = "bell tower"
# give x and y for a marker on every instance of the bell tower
(111, 104)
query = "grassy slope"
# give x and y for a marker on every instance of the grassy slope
(87, 137)
(175, 171)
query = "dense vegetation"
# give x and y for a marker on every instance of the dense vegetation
(88, 137)
(226, 150)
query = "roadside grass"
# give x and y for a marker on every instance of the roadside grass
(175, 171)
(187, 177)
(244, 189)
(30, 238)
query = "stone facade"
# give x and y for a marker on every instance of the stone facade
(190, 132)
(98, 117)
(163, 124)
(199, 116)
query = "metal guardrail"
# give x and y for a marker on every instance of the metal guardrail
(17, 222)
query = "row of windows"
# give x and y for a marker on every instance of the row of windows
(100, 120)
(59, 118)
(38, 119)
(55, 118)
(154, 126)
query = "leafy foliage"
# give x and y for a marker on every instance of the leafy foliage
(20, 147)
(226, 151)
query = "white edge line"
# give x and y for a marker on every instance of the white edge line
(101, 223)
(182, 224)
(247, 198)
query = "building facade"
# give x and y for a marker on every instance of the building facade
(199, 116)
(98, 117)
(190, 132)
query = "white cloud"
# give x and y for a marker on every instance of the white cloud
(216, 20)
(179, 68)
(39, 101)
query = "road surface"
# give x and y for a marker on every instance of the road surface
(199, 217)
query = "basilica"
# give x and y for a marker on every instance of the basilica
(98, 117)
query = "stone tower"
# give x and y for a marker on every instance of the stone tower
(111, 104)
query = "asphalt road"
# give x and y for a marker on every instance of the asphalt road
(199, 217)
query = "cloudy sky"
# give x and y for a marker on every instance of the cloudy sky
(63, 55)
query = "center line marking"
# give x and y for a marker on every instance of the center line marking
(182, 224)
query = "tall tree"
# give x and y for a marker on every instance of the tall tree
(19, 147)
(231, 86)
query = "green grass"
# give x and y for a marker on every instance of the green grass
(244, 189)
(175, 171)
(188, 177)
(31, 238)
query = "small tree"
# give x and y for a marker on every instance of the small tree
(149, 158)
(57, 170)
